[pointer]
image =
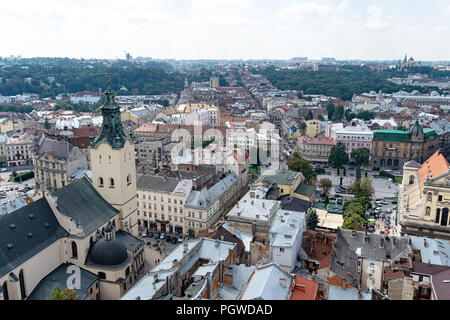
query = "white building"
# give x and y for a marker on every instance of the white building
(286, 236)
(354, 137)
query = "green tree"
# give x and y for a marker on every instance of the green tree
(363, 188)
(325, 184)
(360, 156)
(366, 115)
(349, 115)
(67, 294)
(338, 156)
(321, 118)
(338, 113)
(312, 220)
(46, 124)
(330, 110)
(309, 116)
(354, 222)
(299, 164)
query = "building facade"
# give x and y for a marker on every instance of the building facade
(315, 149)
(55, 162)
(161, 203)
(424, 198)
(393, 148)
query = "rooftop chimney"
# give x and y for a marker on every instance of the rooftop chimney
(185, 247)
(283, 282)
(300, 287)
(382, 243)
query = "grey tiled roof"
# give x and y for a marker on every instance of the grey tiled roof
(81, 202)
(350, 245)
(157, 183)
(29, 230)
(58, 277)
(60, 149)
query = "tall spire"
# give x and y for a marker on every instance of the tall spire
(111, 130)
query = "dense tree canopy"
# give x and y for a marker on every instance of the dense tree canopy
(346, 82)
(338, 156)
(360, 156)
(53, 76)
(297, 163)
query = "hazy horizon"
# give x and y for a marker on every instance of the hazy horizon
(227, 29)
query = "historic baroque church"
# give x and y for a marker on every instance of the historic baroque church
(83, 235)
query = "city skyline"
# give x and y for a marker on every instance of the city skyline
(228, 29)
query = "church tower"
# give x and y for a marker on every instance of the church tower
(113, 165)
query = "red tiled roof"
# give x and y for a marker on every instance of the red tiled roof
(433, 167)
(322, 141)
(304, 289)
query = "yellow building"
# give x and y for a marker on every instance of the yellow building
(424, 198)
(312, 128)
(286, 181)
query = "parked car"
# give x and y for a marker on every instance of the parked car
(394, 202)
(174, 240)
(168, 238)
(162, 235)
(389, 210)
(156, 235)
(150, 234)
(3, 170)
(180, 239)
(144, 233)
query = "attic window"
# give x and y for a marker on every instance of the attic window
(12, 226)
(31, 216)
(29, 234)
(9, 245)
(47, 224)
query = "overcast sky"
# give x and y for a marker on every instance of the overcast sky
(227, 29)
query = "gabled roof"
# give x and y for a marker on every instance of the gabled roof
(58, 149)
(412, 164)
(268, 282)
(305, 190)
(304, 289)
(434, 166)
(81, 202)
(25, 232)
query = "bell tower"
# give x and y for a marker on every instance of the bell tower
(113, 164)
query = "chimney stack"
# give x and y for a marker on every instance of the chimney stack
(381, 242)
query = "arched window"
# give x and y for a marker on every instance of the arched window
(111, 182)
(389, 162)
(74, 250)
(128, 179)
(411, 179)
(396, 163)
(100, 182)
(23, 294)
(438, 215)
(429, 196)
(5, 291)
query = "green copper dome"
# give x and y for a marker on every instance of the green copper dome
(111, 130)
